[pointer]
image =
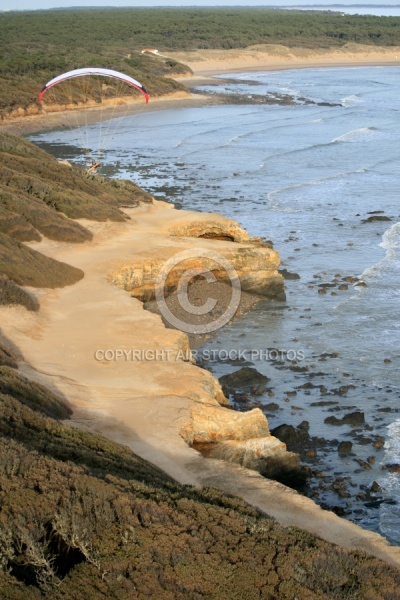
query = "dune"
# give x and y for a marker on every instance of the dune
(273, 57)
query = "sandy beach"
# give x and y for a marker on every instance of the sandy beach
(144, 404)
(207, 63)
(35, 122)
(269, 57)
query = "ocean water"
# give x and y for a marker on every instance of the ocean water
(383, 10)
(321, 181)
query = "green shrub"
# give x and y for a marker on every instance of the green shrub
(83, 517)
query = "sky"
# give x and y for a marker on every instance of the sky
(45, 4)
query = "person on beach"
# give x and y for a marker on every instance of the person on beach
(93, 168)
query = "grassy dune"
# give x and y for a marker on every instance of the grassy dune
(40, 197)
(81, 516)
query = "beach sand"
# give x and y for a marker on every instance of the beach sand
(144, 403)
(206, 63)
(34, 123)
(273, 57)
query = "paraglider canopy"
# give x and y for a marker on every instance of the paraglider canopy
(103, 99)
(93, 71)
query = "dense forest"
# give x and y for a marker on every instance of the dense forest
(36, 45)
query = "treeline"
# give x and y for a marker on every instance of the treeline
(124, 29)
(36, 45)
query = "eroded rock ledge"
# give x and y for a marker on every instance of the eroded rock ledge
(243, 438)
(212, 427)
(254, 261)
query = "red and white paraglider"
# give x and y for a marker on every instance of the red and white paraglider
(109, 92)
(93, 71)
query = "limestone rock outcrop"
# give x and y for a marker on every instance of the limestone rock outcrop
(217, 227)
(213, 424)
(243, 438)
(255, 263)
(194, 244)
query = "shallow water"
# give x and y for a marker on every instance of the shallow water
(304, 177)
(389, 10)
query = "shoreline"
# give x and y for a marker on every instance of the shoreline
(37, 123)
(272, 57)
(176, 457)
(145, 405)
(253, 68)
(206, 64)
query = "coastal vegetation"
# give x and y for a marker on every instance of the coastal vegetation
(83, 517)
(41, 196)
(35, 46)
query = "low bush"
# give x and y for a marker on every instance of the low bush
(83, 517)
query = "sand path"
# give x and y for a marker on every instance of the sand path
(144, 403)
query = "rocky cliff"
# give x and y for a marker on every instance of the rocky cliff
(38, 194)
(161, 409)
(211, 244)
(243, 438)
(254, 262)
